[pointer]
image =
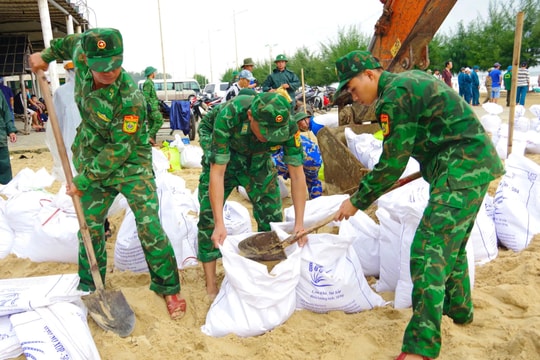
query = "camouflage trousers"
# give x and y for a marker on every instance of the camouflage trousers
(439, 268)
(155, 121)
(5, 166)
(142, 199)
(257, 174)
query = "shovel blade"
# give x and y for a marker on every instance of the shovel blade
(265, 246)
(110, 311)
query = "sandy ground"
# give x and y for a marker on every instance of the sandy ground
(506, 325)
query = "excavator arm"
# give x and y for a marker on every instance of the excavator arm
(404, 30)
(400, 42)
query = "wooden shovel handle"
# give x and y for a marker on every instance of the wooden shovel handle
(294, 238)
(61, 146)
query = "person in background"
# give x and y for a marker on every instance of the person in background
(447, 74)
(112, 155)
(155, 118)
(7, 130)
(496, 80)
(429, 122)
(18, 108)
(507, 80)
(8, 94)
(283, 78)
(523, 82)
(237, 144)
(248, 65)
(487, 83)
(244, 79)
(312, 158)
(437, 74)
(475, 83)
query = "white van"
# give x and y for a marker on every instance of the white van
(177, 89)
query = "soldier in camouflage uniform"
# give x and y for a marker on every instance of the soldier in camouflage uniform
(155, 119)
(281, 77)
(112, 155)
(237, 141)
(423, 118)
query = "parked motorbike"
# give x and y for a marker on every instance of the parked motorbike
(314, 97)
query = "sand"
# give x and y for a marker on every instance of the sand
(506, 324)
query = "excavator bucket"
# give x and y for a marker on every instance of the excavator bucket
(342, 170)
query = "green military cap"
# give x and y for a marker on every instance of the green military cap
(103, 48)
(300, 116)
(281, 57)
(272, 112)
(149, 70)
(353, 63)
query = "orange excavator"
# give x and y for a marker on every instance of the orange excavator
(400, 42)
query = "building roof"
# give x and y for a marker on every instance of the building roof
(20, 24)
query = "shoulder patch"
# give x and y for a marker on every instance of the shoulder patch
(297, 139)
(131, 124)
(385, 124)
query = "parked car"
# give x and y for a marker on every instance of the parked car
(177, 89)
(214, 90)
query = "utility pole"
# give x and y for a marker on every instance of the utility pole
(270, 52)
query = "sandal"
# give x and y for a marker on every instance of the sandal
(403, 355)
(176, 306)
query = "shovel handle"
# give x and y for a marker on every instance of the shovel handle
(294, 238)
(61, 147)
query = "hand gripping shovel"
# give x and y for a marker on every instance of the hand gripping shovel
(267, 246)
(108, 308)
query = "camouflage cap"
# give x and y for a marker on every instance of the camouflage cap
(272, 112)
(353, 63)
(247, 91)
(103, 48)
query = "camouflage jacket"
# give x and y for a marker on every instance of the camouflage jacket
(227, 131)
(149, 92)
(425, 119)
(111, 145)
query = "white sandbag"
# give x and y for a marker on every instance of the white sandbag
(318, 208)
(237, 218)
(27, 180)
(252, 301)
(7, 236)
(23, 294)
(492, 121)
(331, 277)
(517, 210)
(160, 163)
(533, 142)
(483, 235)
(519, 142)
(365, 147)
(22, 211)
(55, 232)
(10, 347)
(535, 122)
(365, 233)
(399, 213)
(191, 157)
(403, 293)
(59, 331)
(177, 213)
(330, 120)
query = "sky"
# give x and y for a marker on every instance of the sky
(208, 39)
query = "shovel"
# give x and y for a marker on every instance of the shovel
(108, 308)
(267, 246)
